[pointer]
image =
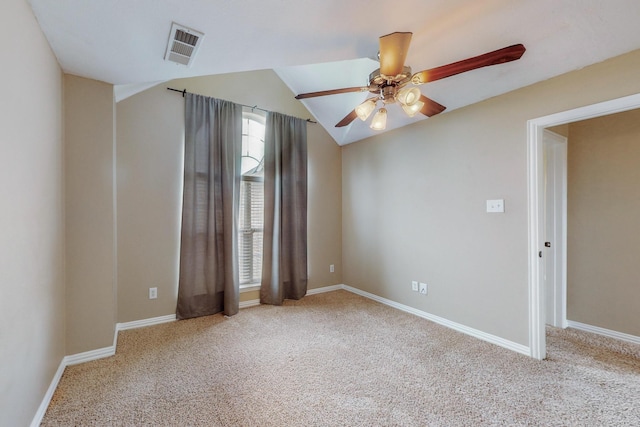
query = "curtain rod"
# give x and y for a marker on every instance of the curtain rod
(253, 107)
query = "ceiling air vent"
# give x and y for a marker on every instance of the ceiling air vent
(183, 44)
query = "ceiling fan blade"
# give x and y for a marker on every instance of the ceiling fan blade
(500, 56)
(393, 52)
(347, 119)
(431, 107)
(332, 92)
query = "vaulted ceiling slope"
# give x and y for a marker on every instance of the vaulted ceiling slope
(318, 45)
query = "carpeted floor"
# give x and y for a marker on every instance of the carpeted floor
(338, 359)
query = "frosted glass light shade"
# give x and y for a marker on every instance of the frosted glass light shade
(413, 109)
(365, 109)
(408, 95)
(379, 121)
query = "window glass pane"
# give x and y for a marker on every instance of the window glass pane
(251, 214)
(249, 163)
(252, 143)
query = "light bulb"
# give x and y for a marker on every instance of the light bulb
(364, 110)
(379, 121)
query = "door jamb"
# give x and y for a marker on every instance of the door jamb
(557, 144)
(535, 175)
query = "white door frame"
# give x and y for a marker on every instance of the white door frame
(535, 177)
(555, 147)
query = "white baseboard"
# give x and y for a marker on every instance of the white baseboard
(145, 322)
(510, 345)
(88, 356)
(250, 303)
(324, 289)
(42, 409)
(602, 331)
(73, 359)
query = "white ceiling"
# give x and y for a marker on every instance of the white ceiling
(123, 42)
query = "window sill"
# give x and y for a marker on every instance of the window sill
(249, 287)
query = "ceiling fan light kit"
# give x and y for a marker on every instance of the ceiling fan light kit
(408, 95)
(365, 109)
(413, 109)
(379, 121)
(390, 82)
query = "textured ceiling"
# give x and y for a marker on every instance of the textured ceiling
(318, 45)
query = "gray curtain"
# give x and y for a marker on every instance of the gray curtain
(284, 262)
(208, 253)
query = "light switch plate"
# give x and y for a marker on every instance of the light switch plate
(423, 288)
(495, 206)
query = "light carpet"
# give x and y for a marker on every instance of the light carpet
(338, 359)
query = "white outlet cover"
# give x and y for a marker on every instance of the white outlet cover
(495, 206)
(414, 286)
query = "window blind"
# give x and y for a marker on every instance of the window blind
(250, 230)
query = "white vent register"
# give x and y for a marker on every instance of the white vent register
(183, 44)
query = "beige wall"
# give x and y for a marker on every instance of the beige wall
(150, 149)
(603, 211)
(414, 202)
(90, 268)
(149, 156)
(560, 129)
(32, 341)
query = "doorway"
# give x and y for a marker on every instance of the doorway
(536, 201)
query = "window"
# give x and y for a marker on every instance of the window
(251, 215)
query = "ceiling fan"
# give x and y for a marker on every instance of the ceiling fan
(394, 82)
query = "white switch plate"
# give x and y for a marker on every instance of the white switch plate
(423, 288)
(495, 205)
(153, 293)
(414, 286)
(331, 268)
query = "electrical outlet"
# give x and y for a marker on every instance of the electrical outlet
(332, 268)
(423, 288)
(496, 206)
(414, 286)
(153, 293)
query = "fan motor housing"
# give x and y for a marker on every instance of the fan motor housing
(378, 79)
(387, 86)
